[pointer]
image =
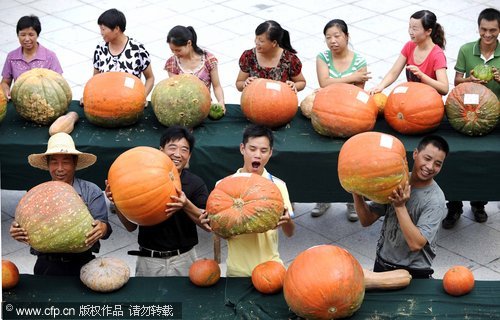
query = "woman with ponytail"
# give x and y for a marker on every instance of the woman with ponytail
(272, 58)
(423, 56)
(189, 58)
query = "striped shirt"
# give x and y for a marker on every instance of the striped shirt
(357, 63)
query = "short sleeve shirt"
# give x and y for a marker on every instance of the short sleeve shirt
(16, 64)
(179, 231)
(208, 63)
(435, 60)
(470, 56)
(427, 208)
(134, 58)
(357, 63)
(289, 66)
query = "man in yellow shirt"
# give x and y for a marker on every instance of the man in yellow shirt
(248, 250)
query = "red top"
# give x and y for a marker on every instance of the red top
(435, 60)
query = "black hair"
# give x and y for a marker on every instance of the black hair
(437, 141)
(175, 133)
(256, 131)
(489, 14)
(337, 23)
(180, 35)
(74, 156)
(429, 21)
(113, 18)
(27, 22)
(275, 33)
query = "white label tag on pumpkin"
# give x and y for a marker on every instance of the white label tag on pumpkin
(242, 174)
(386, 141)
(400, 89)
(129, 82)
(363, 96)
(471, 98)
(273, 86)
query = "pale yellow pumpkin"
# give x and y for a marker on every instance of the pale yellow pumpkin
(105, 274)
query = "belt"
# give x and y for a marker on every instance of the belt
(143, 252)
(416, 273)
(66, 257)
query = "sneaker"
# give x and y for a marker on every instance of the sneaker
(320, 209)
(479, 214)
(452, 218)
(351, 212)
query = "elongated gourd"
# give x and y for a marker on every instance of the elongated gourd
(387, 280)
(65, 123)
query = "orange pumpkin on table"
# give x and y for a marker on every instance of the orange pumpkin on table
(10, 274)
(142, 180)
(268, 277)
(458, 280)
(204, 272)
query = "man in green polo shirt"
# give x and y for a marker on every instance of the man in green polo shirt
(486, 50)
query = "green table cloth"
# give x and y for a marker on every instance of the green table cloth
(235, 298)
(306, 161)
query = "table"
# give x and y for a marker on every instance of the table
(235, 298)
(301, 157)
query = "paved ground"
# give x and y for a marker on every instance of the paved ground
(378, 30)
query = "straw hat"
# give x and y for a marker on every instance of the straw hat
(61, 143)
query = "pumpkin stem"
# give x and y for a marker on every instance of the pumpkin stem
(238, 203)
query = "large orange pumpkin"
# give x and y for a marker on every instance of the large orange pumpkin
(204, 272)
(268, 277)
(268, 102)
(244, 203)
(472, 109)
(142, 180)
(324, 282)
(55, 218)
(414, 108)
(458, 280)
(343, 110)
(114, 99)
(372, 164)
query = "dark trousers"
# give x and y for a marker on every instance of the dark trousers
(50, 264)
(381, 266)
(457, 205)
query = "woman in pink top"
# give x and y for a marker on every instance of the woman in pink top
(29, 55)
(189, 58)
(423, 56)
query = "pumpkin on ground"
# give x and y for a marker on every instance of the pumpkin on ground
(472, 109)
(41, 95)
(65, 123)
(372, 164)
(380, 100)
(324, 282)
(3, 106)
(10, 274)
(114, 99)
(268, 277)
(105, 274)
(343, 110)
(244, 203)
(141, 180)
(306, 105)
(414, 108)
(181, 100)
(458, 280)
(204, 272)
(55, 218)
(268, 102)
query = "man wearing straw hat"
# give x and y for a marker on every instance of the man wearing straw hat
(62, 160)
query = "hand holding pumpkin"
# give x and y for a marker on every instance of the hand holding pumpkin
(248, 81)
(99, 229)
(178, 204)
(472, 78)
(291, 84)
(496, 74)
(400, 195)
(205, 221)
(18, 233)
(285, 218)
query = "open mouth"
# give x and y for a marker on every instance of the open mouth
(255, 164)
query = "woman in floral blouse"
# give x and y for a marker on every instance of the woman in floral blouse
(272, 58)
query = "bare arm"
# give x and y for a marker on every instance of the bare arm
(459, 78)
(357, 78)
(287, 224)
(181, 202)
(129, 225)
(243, 80)
(391, 76)
(6, 87)
(218, 91)
(366, 217)
(150, 79)
(441, 82)
(299, 82)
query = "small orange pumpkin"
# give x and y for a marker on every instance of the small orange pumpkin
(414, 108)
(142, 180)
(10, 274)
(380, 100)
(343, 110)
(324, 282)
(268, 277)
(268, 102)
(244, 203)
(204, 272)
(372, 164)
(458, 280)
(114, 99)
